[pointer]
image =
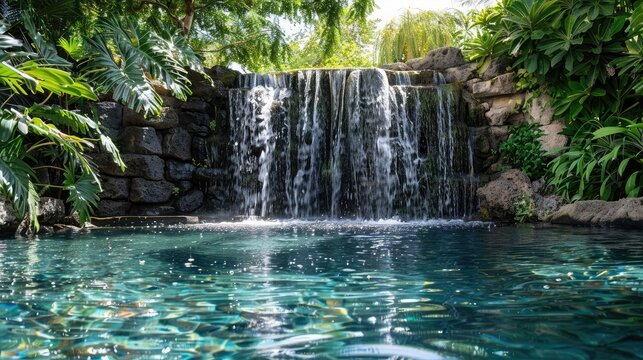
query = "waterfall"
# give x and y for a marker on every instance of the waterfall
(363, 143)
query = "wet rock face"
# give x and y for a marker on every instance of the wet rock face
(624, 213)
(51, 210)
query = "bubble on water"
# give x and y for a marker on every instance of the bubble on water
(166, 350)
(371, 320)
(141, 262)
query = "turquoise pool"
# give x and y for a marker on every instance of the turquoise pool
(430, 290)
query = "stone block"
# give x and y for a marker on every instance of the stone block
(166, 120)
(114, 188)
(500, 85)
(177, 143)
(110, 114)
(460, 73)
(150, 167)
(112, 208)
(199, 106)
(50, 210)
(504, 107)
(398, 66)
(177, 170)
(495, 68)
(150, 192)
(140, 140)
(438, 59)
(189, 202)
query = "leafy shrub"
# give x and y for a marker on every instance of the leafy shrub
(522, 149)
(525, 210)
(602, 162)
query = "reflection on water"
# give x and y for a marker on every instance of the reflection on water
(431, 290)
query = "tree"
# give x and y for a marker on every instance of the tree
(414, 34)
(244, 31)
(353, 50)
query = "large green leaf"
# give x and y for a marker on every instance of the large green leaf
(125, 78)
(83, 193)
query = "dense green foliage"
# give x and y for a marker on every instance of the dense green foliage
(32, 133)
(353, 50)
(603, 160)
(414, 34)
(522, 149)
(588, 56)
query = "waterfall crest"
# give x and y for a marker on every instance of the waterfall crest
(363, 143)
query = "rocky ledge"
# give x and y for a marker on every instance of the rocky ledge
(624, 213)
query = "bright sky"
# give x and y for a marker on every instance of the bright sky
(389, 9)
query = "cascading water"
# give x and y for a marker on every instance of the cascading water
(366, 143)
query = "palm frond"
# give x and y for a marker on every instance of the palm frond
(54, 113)
(16, 180)
(83, 192)
(124, 78)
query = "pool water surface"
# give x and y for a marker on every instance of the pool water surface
(325, 290)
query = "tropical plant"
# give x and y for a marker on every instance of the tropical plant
(414, 34)
(246, 32)
(125, 57)
(39, 136)
(588, 55)
(522, 149)
(525, 209)
(602, 162)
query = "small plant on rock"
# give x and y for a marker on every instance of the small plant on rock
(522, 150)
(525, 209)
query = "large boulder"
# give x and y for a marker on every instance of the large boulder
(500, 85)
(112, 208)
(140, 140)
(167, 119)
(398, 66)
(625, 213)
(496, 67)
(114, 188)
(178, 170)
(498, 197)
(51, 210)
(150, 167)
(438, 59)
(177, 143)
(151, 192)
(460, 73)
(503, 107)
(8, 217)
(189, 202)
